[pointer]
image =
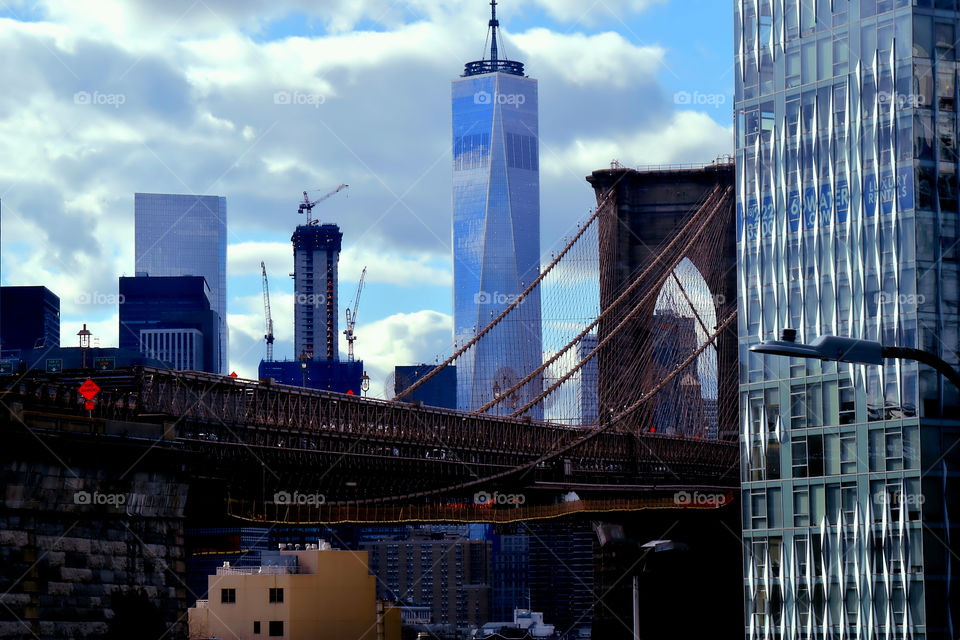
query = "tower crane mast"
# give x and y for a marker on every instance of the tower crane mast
(352, 318)
(267, 319)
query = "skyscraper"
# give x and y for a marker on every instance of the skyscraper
(496, 223)
(847, 224)
(316, 256)
(184, 235)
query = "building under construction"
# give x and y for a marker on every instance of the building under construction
(317, 364)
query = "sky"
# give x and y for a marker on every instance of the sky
(259, 100)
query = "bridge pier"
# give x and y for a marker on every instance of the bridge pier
(90, 551)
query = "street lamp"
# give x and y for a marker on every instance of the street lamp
(84, 335)
(365, 383)
(851, 350)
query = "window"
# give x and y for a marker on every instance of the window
(256, 627)
(801, 507)
(276, 628)
(276, 595)
(228, 596)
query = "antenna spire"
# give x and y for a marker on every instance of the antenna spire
(494, 23)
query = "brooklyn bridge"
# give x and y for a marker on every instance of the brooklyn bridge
(155, 446)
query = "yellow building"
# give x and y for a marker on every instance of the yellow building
(313, 594)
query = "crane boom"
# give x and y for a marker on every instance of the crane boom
(352, 317)
(267, 319)
(308, 206)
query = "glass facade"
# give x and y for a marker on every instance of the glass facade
(847, 224)
(184, 235)
(496, 233)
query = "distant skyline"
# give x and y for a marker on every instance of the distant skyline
(257, 101)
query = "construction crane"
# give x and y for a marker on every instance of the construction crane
(267, 319)
(352, 318)
(307, 206)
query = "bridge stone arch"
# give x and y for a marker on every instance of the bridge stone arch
(648, 208)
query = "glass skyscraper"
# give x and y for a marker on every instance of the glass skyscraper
(184, 235)
(496, 226)
(847, 224)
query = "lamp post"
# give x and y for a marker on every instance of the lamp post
(365, 383)
(851, 350)
(84, 335)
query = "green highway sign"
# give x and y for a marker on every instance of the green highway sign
(54, 365)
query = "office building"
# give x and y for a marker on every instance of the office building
(30, 318)
(438, 391)
(496, 226)
(171, 319)
(438, 568)
(301, 594)
(587, 399)
(184, 235)
(847, 218)
(679, 408)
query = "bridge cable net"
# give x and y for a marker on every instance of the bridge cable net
(658, 316)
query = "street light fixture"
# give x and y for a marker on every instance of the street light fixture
(851, 350)
(84, 335)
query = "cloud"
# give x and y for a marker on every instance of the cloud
(687, 137)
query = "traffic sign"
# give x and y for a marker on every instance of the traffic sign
(105, 364)
(54, 365)
(6, 368)
(88, 405)
(89, 389)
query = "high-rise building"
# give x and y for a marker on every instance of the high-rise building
(170, 319)
(588, 380)
(30, 318)
(316, 258)
(847, 224)
(496, 225)
(184, 235)
(437, 568)
(679, 407)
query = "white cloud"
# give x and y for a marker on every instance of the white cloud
(401, 339)
(688, 137)
(605, 59)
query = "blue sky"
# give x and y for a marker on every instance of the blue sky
(182, 99)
